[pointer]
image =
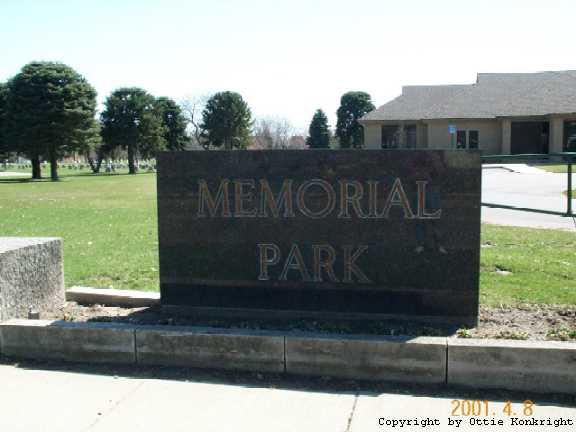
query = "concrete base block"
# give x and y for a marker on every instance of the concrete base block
(210, 348)
(544, 367)
(399, 359)
(31, 276)
(79, 342)
(112, 297)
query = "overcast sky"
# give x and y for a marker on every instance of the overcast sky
(287, 58)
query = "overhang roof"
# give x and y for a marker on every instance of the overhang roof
(493, 95)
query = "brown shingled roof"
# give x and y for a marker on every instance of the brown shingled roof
(493, 95)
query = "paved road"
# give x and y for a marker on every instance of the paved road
(54, 399)
(530, 189)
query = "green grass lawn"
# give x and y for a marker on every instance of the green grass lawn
(109, 227)
(108, 224)
(527, 265)
(553, 168)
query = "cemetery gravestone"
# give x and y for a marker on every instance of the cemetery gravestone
(334, 233)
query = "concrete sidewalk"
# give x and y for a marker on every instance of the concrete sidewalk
(60, 400)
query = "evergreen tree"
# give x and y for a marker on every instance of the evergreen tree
(132, 121)
(319, 132)
(226, 121)
(4, 148)
(50, 113)
(353, 105)
(174, 124)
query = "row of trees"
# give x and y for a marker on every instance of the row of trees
(48, 111)
(353, 105)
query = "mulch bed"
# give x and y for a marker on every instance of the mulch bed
(521, 322)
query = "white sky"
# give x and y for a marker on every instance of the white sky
(287, 58)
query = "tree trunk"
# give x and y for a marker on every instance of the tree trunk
(95, 165)
(91, 162)
(36, 168)
(98, 164)
(53, 164)
(131, 164)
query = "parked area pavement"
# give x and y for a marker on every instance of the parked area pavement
(525, 187)
(60, 398)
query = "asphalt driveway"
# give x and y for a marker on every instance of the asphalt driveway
(525, 187)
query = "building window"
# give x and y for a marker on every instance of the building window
(473, 140)
(467, 139)
(410, 132)
(390, 137)
(461, 139)
(569, 136)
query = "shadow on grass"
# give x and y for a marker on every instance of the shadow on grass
(16, 180)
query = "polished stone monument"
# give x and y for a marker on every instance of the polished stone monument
(320, 232)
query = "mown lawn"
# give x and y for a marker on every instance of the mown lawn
(527, 265)
(553, 168)
(108, 223)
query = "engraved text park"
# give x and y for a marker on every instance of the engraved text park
(315, 199)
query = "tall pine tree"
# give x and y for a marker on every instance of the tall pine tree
(353, 105)
(174, 124)
(131, 120)
(50, 113)
(4, 148)
(227, 121)
(319, 131)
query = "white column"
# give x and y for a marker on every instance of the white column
(372, 136)
(506, 137)
(556, 135)
(402, 138)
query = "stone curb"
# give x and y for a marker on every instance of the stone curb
(540, 367)
(62, 340)
(398, 359)
(546, 367)
(112, 297)
(210, 348)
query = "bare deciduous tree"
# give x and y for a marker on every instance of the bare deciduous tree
(192, 107)
(272, 133)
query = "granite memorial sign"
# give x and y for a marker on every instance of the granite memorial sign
(342, 232)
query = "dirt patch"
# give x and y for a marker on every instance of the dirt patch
(534, 322)
(523, 322)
